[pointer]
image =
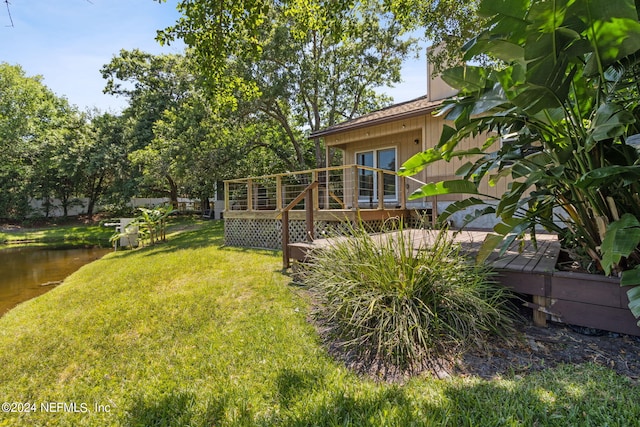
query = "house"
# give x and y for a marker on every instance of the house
(365, 187)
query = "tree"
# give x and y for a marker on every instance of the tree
(447, 23)
(310, 79)
(105, 164)
(296, 68)
(33, 124)
(177, 136)
(60, 166)
(202, 147)
(228, 29)
(154, 84)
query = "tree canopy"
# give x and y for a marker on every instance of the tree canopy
(38, 131)
(257, 78)
(227, 30)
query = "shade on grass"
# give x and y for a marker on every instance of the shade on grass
(193, 333)
(94, 235)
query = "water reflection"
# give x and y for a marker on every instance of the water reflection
(24, 270)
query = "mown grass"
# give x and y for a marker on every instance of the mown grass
(68, 234)
(190, 333)
(76, 234)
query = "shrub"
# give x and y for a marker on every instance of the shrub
(395, 306)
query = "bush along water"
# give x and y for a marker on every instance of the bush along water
(394, 309)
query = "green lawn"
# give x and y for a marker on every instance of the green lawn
(68, 234)
(190, 333)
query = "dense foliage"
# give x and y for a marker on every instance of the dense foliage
(301, 66)
(295, 68)
(563, 115)
(42, 139)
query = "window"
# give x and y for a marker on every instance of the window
(368, 179)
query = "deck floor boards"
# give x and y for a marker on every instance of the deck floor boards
(526, 256)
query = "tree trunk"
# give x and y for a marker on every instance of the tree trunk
(204, 197)
(173, 191)
(94, 193)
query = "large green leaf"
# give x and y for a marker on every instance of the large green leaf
(610, 121)
(515, 9)
(630, 277)
(597, 177)
(506, 50)
(508, 17)
(462, 153)
(488, 101)
(535, 98)
(466, 78)
(511, 225)
(634, 141)
(461, 205)
(612, 40)
(419, 161)
(620, 240)
(448, 134)
(509, 203)
(459, 186)
(491, 242)
(634, 301)
(605, 9)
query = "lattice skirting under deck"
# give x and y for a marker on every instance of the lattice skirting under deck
(267, 233)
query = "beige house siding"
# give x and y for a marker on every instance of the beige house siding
(411, 136)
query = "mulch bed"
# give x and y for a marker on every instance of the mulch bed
(556, 344)
(534, 349)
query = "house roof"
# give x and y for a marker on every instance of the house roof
(403, 110)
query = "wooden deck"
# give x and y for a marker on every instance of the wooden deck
(529, 269)
(530, 259)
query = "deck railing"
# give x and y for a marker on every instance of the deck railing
(350, 187)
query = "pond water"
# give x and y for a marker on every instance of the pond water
(27, 272)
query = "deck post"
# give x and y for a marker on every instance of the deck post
(279, 193)
(539, 316)
(356, 188)
(285, 240)
(327, 189)
(226, 196)
(316, 198)
(249, 194)
(380, 189)
(309, 206)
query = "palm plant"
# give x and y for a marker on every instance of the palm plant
(151, 225)
(563, 118)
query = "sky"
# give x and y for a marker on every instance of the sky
(68, 41)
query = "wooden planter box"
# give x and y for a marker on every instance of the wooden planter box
(579, 299)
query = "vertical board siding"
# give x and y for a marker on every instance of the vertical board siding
(402, 134)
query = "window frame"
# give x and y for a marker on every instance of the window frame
(375, 151)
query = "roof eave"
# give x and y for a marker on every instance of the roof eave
(373, 122)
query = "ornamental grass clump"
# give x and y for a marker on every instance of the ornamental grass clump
(396, 308)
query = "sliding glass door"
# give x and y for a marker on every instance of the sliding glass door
(368, 179)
